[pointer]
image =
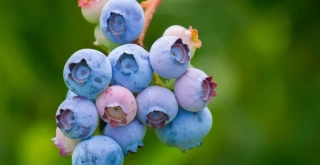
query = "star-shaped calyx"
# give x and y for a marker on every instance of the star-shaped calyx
(79, 72)
(115, 115)
(157, 119)
(116, 24)
(208, 88)
(180, 51)
(65, 119)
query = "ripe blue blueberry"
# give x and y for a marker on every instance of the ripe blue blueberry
(98, 150)
(186, 130)
(122, 21)
(77, 117)
(157, 106)
(129, 136)
(87, 73)
(194, 90)
(130, 67)
(169, 57)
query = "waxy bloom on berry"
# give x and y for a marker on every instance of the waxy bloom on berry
(187, 130)
(169, 57)
(157, 106)
(87, 73)
(194, 90)
(77, 117)
(122, 21)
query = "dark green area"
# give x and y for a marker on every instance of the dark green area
(264, 55)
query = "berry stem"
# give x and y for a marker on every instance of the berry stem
(149, 7)
(157, 80)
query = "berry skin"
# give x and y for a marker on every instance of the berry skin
(91, 9)
(98, 150)
(169, 57)
(87, 73)
(77, 117)
(122, 21)
(131, 67)
(188, 36)
(129, 137)
(116, 106)
(194, 90)
(186, 130)
(157, 106)
(65, 144)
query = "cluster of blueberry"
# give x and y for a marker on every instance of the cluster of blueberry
(124, 89)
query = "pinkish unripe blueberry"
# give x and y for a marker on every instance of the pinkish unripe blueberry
(65, 144)
(116, 106)
(91, 9)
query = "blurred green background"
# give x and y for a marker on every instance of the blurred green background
(264, 55)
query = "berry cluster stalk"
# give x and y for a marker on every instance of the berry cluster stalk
(149, 7)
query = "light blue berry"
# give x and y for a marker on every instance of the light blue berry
(157, 106)
(194, 89)
(98, 150)
(130, 67)
(87, 73)
(77, 117)
(186, 130)
(129, 136)
(122, 21)
(169, 57)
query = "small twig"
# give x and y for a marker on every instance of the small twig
(149, 7)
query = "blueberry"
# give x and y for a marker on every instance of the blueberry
(98, 150)
(130, 67)
(188, 36)
(91, 9)
(194, 90)
(169, 57)
(187, 129)
(122, 21)
(157, 106)
(116, 106)
(77, 117)
(87, 73)
(129, 137)
(65, 144)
